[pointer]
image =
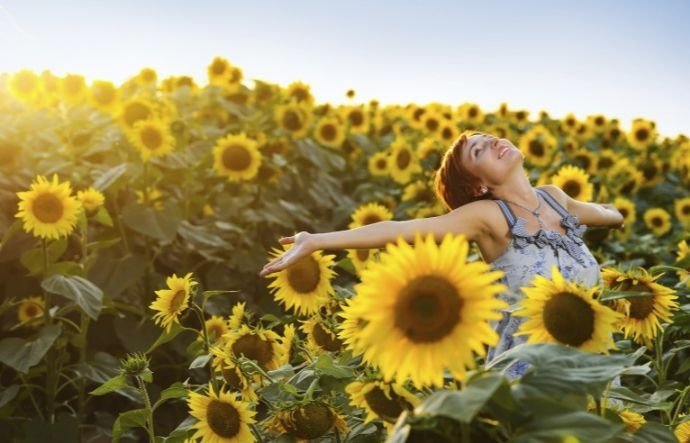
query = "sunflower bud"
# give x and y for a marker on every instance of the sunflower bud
(136, 365)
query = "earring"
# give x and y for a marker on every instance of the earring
(484, 190)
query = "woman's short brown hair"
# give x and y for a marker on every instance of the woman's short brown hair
(453, 183)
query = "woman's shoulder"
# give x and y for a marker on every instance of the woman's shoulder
(557, 193)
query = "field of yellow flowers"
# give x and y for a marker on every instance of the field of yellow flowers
(135, 218)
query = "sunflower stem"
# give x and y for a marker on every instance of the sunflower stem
(149, 410)
(31, 396)
(661, 370)
(679, 404)
(46, 309)
(82, 363)
(207, 346)
(116, 210)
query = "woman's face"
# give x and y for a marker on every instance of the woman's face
(491, 159)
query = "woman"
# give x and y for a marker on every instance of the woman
(518, 229)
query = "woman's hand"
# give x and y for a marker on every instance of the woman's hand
(304, 245)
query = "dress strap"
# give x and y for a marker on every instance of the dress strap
(507, 213)
(553, 203)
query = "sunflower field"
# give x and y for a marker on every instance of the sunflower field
(135, 218)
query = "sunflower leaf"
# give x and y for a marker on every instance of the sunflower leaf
(84, 293)
(114, 384)
(165, 337)
(136, 418)
(109, 177)
(21, 354)
(613, 295)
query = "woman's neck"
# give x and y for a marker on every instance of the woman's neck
(518, 191)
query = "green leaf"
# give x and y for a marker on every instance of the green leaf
(326, 366)
(200, 361)
(165, 337)
(612, 295)
(109, 177)
(652, 432)
(159, 224)
(21, 354)
(176, 390)
(127, 420)
(114, 384)
(88, 296)
(33, 258)
(463, 405)
(103, 217)
(199, 235)
(583, 425)
(8, 394)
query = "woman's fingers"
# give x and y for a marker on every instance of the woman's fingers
(285, 240)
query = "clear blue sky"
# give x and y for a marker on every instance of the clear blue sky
(625, 59)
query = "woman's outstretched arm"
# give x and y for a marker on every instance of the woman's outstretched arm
(468, 220)
(591, 214)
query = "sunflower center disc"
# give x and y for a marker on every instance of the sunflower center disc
(656, 221)
(324, 339)
(236, 157)
(231, 378)
(685, 210)
(536, 148)
(47, 208)
(292, 121)
(177, 300)
(640, 307)
(642, 134)
(304, 275)
(356, 118)
(254, 348)
(387, 408)
(151, 138)
(403, 159)
(223, 418)
(569, 319)
(31, 311)
(572, 188)
(371, 218)
(362, 254)
(427, 309)
(328, 132)
(311, 421)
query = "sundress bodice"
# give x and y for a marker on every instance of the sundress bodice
(528, 255)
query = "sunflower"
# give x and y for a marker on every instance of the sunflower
(307, 421)
(25, 85)
(642, 134)
(361, 258)
(30, 308)
(424, 303)
(431, 122)
(627, 209)
(329, 132)
(294, 118)
(264, 346)
(574, 182)
(222, 417)
(448, 132)
(152, 138)
(299, 92)
(604, 162)
(470, 113)
(217, 70)
(236, 380)
(682, 431)
(569, 123)
(237, 157)
(643, 314)
(651, 168)
(369, 213)
(658, 220)
(381, 401)
(403, 163)
(216, 327)
(682, 210)
(320, 335)
(134, 110)
(562, 311)
(304, 286)
(237, 317)
(429, 146)
(537, 145)
(632, 420)
(172, 301)
(353, 321)
(103, 95)
(357, 119)
(378, 164)
(48, 209)
(146, 77)
(91, 199)
(584, 159)
(418, 191)
(625, 177)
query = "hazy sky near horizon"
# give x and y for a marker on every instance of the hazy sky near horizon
(624, 59)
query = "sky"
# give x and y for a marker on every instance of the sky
(625, 59)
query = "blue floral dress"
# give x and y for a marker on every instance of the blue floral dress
(528, 255)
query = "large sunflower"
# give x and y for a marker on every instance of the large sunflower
(574, 182)
(264, 346)
(361, 258)
(369, 213)
(307, 421)
(402, 163)
(222, 417)
(423, 308)
(381, 401)
(48, 209)
(134, 110)
(642, 315)
(658, 220)
(172, 301)
(538, 145)
(305, 286)
(320, 336)
(562, 311)
(237, 157)
(642, 134)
